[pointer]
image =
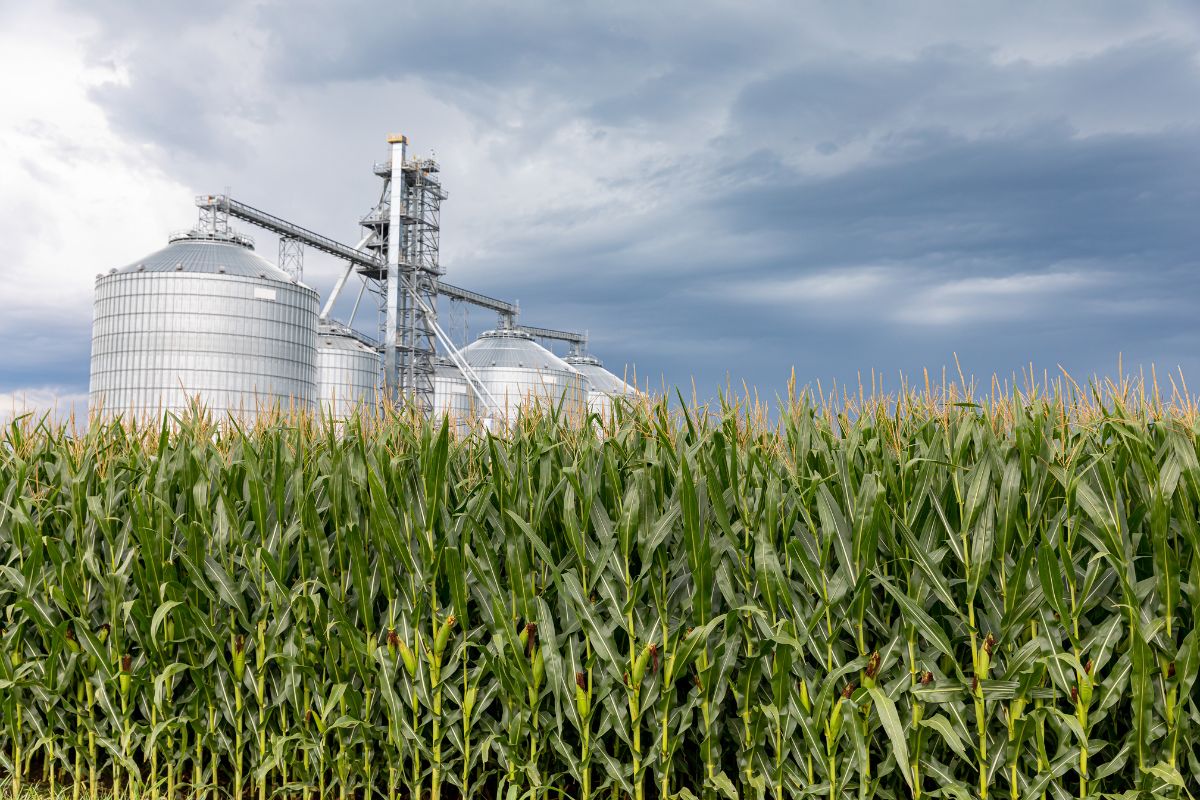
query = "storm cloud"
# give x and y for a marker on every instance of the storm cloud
(714, 191)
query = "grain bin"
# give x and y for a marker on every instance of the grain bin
(451, 392)
(603, 385)
(517, 370)
(347, 371)
(202, 318)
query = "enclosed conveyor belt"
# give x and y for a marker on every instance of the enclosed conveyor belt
(281, 227)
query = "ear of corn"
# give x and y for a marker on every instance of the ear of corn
(923, 596)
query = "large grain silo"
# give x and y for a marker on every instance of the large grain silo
(603, 385)
(517, 370)
(347, 371)
(451, 392)
(206, 318)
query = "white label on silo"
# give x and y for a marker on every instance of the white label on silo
(264, 294)
(459, 389)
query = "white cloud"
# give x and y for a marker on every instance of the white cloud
(993, 298)
(77, 199)
(907, 296)
(853, 284)
(1011, 285)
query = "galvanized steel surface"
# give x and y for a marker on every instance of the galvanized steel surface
(452, 394)
(603, 385)
(206, 319)
(194, 253)
(518, 370)
(347, 371)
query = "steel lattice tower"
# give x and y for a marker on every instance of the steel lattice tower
(403, 232)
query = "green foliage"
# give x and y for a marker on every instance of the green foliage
(919, 598)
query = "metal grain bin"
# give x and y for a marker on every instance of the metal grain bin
(603, 385)
(517, 370)
(347, 371)
(451, 392)
(202, 318)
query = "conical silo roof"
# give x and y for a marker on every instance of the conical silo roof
(509, 349)
(196, 253)
(335, 336)
(599, 379)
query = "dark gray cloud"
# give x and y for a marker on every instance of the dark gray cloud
(1031, 197)
(38, 354)
(726, 190)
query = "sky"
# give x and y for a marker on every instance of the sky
(716, 192)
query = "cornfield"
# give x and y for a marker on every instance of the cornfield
(926, 594)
